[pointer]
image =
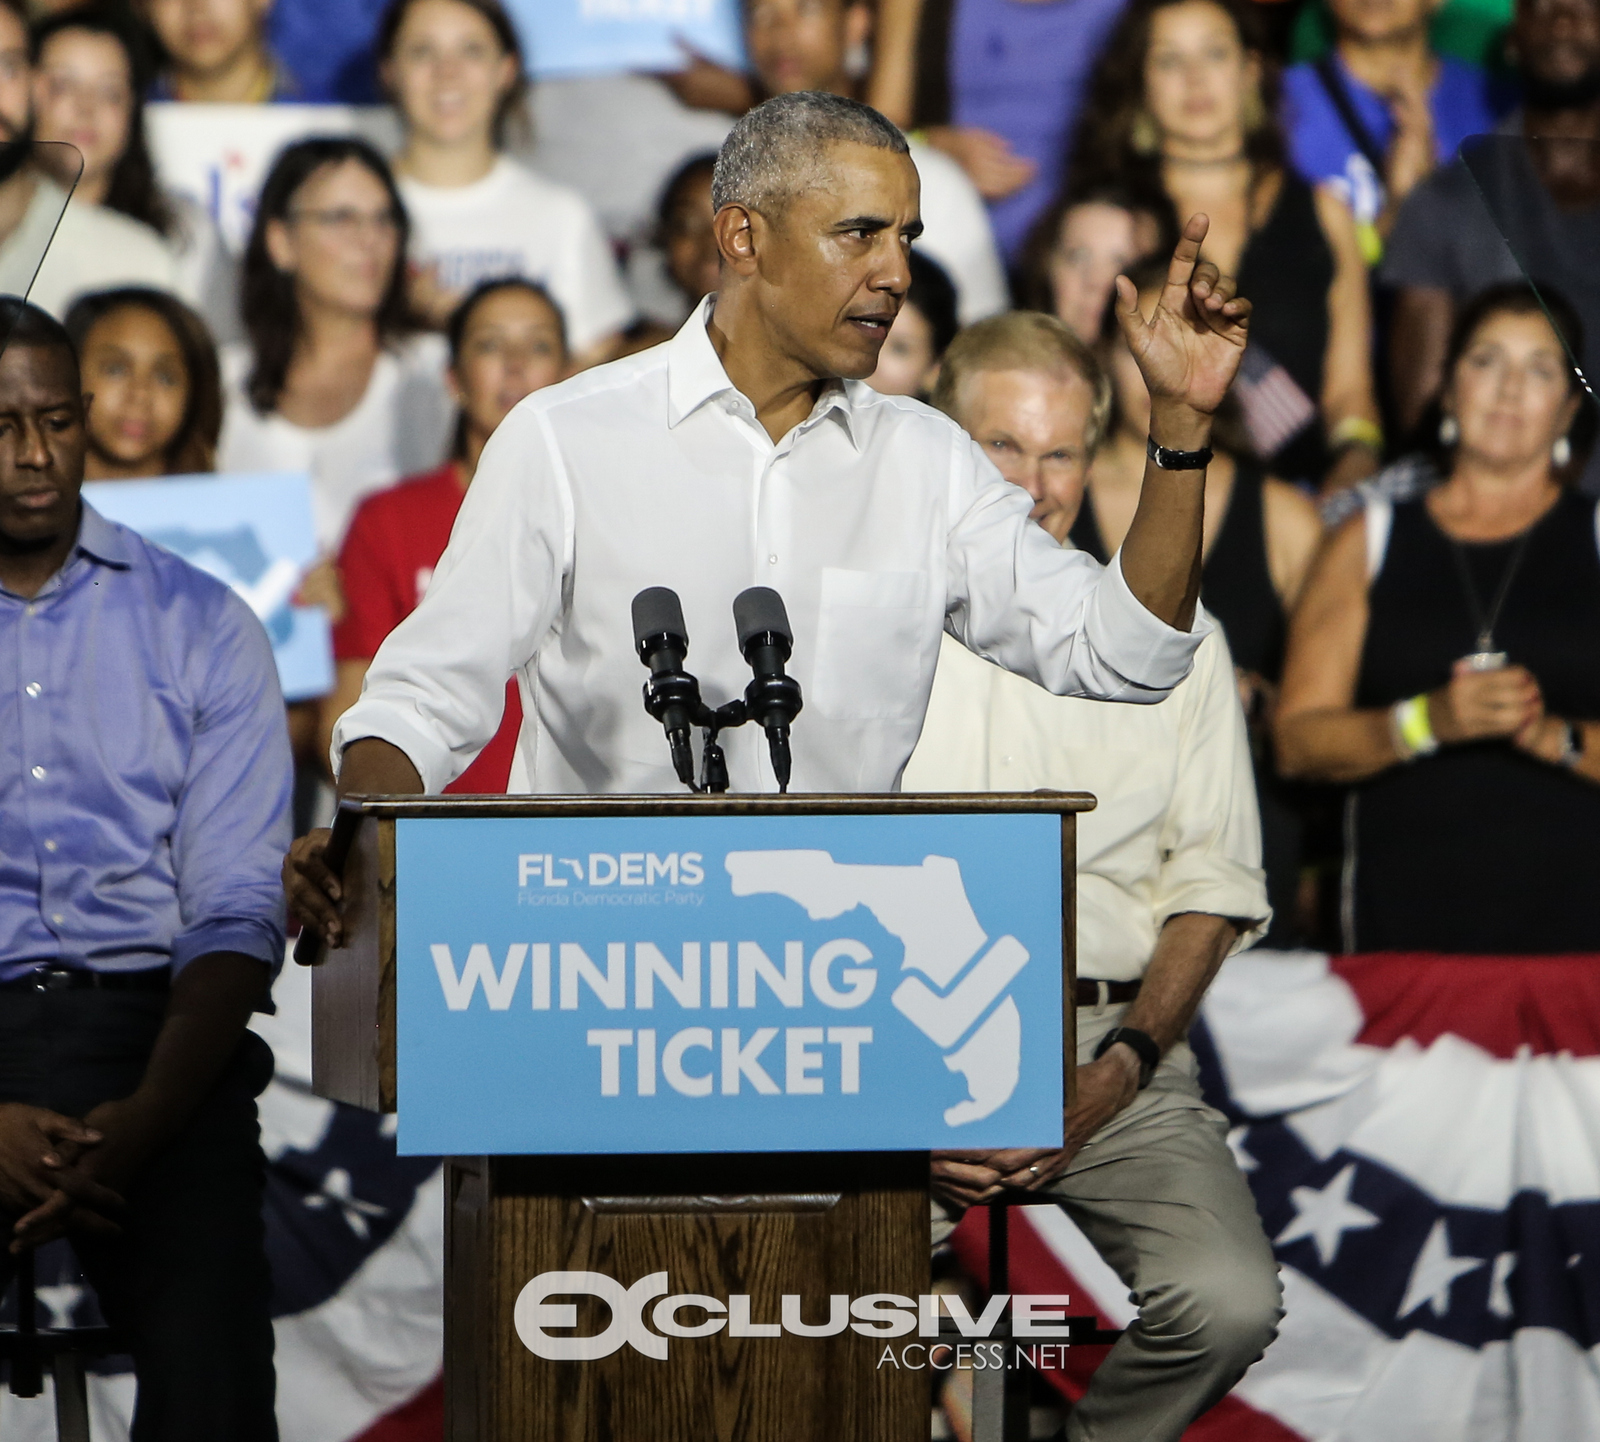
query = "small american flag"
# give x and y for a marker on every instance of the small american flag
(1275, 408)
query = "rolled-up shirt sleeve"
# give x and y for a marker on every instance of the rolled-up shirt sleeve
(436, 688)
(1211, 838)
(232, 823)
(1045, 611)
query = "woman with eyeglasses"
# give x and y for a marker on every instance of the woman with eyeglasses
(333, 380)
(89, 67)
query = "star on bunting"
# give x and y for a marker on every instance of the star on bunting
(1326, 1215)
(1505, 1263)
(1434, 1273)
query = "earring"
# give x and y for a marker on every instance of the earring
(1143, 135)
(1561, 453)
(1449, 430)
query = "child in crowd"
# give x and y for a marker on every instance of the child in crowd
(332, 381)
(217, 51)
(90, 68)
(681, 265)
(149, 363)
(1084, 242)
(507, 340)
(908, 364)
(454, 69)
(684, 232)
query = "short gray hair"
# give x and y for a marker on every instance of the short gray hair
(1023, 340)
(774, 152)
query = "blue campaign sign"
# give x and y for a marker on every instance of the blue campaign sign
(735, 983)
(575, 37)
(255, 534)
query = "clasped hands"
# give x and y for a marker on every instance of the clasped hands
(963, 1179)
(60, 1175)
(1504, 703)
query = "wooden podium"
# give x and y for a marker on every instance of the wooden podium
(762, 1224)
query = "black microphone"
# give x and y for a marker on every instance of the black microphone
(671, 695)
(772, 698)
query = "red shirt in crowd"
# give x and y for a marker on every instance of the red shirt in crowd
(394, 542)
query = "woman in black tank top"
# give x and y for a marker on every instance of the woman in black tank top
(1306, 379)
(1445, 664)
(1260, 535)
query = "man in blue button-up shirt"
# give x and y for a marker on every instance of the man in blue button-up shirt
(144, 805)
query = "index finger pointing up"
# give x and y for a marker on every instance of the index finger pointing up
(1186, 256)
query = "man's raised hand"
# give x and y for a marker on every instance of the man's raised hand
(1189, 349)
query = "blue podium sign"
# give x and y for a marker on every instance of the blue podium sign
(728, 984)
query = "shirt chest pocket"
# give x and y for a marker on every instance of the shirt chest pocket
(870, 645)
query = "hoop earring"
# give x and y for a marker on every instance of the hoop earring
(1143, 135)
(1561, 453)
(1449, 430)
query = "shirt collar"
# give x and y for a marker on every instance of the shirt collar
(695, 376)
(102, 541)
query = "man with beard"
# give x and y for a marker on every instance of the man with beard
(1448, 245)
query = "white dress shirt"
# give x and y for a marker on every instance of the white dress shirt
(876, 518)
(1176, 828)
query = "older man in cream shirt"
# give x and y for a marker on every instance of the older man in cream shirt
(1169, 882)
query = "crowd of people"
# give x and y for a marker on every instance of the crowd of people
(1055, 151)
(1400, 548)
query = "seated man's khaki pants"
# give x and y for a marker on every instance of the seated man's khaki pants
(1160, 1196)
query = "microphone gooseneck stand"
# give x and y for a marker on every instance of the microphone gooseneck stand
(672, 694)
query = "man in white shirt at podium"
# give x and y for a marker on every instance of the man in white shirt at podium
(747, 451)
(1169, 881)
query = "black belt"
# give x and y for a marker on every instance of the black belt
(68, 978)
(1105, 993)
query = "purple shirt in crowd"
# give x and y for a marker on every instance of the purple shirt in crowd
(145, 775)
(1022, 70)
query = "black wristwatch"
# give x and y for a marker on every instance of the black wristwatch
(1141, 1043)
(1177, 460)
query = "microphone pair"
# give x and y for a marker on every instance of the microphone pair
(672, 694)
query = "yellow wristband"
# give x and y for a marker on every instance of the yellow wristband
(1370, 243)
(1413, 728)
(1357, 431)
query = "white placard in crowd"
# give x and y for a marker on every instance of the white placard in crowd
(220, 154)
(597, 37)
